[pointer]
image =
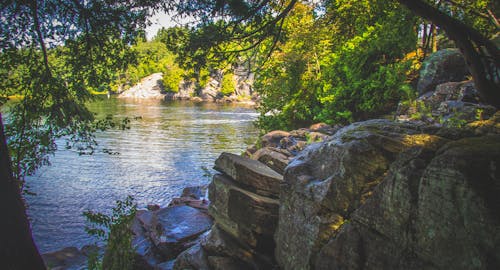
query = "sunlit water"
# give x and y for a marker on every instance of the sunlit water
(158, 156)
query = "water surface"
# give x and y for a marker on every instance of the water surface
(160, 154)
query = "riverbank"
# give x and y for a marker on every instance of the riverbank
(151, 87)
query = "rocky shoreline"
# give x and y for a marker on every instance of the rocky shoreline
(393, 191)
(420, 191)
(151, 87)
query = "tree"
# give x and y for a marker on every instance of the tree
(17, 249)
(481, 54)
(346, 65)
(53, 53)
(254, 21)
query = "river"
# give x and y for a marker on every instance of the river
(163, 151)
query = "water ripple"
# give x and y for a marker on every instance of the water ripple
(162, 153)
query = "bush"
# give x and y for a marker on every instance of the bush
(115, 230)
(228, 84)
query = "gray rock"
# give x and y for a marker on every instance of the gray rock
(273, 138)
(329, 180)
(244, 78)
(446, 65)
(193, 258)
(69, 258)
(146, 252)
(168, 265)
(463, 112)
(176, 228)
(211, 91)
(436, 209)
(185, 92)
(247, 216)
(273, 158)
(227, 263)
(150, 87)
(254, 175)
(220, 244)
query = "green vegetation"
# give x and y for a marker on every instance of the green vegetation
(320, 74)
(115, 231)
(228, 84)
(331, 61)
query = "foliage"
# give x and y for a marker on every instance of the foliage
(328, 74)
(52, 55)
(228, 84)
(115, 230)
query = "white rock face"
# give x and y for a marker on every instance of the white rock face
(150, 87)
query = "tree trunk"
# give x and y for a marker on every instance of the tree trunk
(482, 55)
(17, 249)
(434, 38)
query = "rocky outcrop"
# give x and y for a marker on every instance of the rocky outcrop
(244, 205)
(277, 148)
(150, 87)
(253, 175)
(211, 91)
(451, 103)
(387, 195)
(443, 66)
(186, 91)
(436, 209)
(244, 79)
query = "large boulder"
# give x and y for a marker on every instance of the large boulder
(435, 210)
(446, 65)
(388, 195)
(244, 206)
(150, 87)
(254, 175)
(328, 181)
(147, 255)
(452, 103)
(193, 258)
(174, 229)
(160, 235)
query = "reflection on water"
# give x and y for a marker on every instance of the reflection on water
(162, 153)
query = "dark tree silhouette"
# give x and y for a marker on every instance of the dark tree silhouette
(17, 249)
(481, 54)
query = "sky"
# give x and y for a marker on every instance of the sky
(160, 20)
